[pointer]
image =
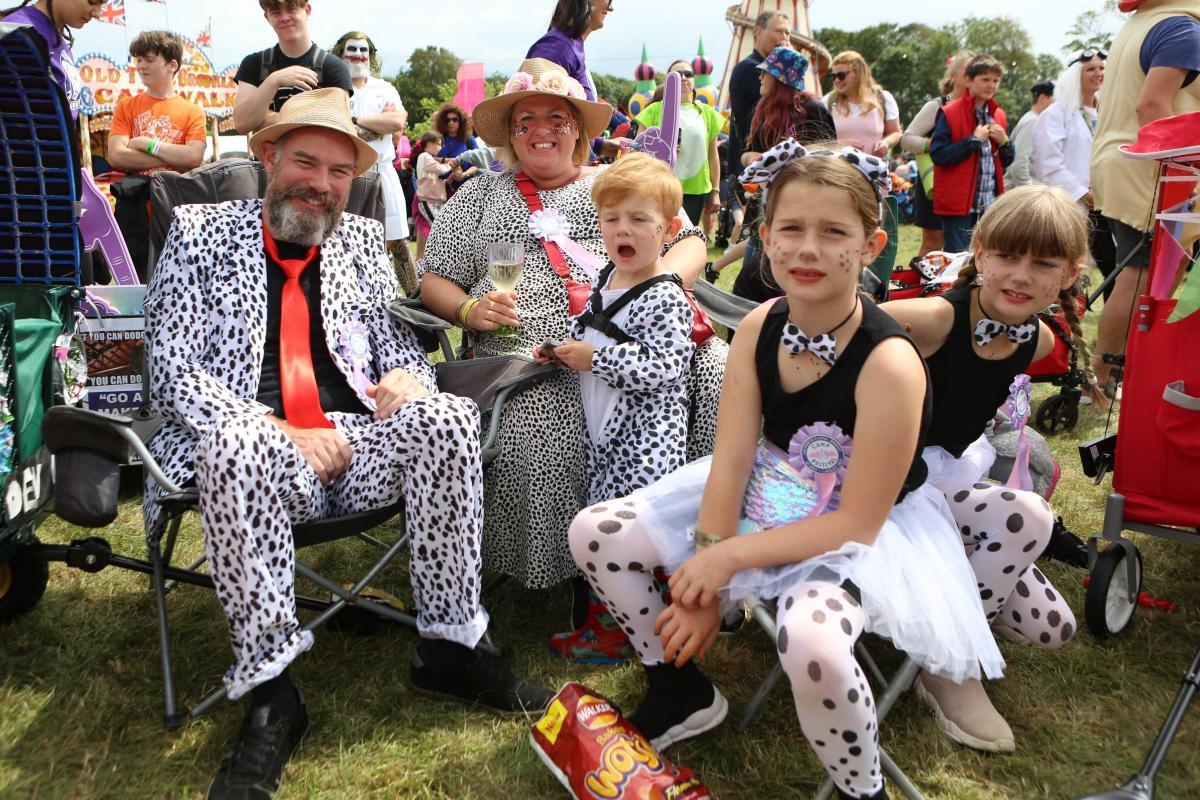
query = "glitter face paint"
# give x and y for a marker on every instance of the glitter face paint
(520, 129)
(564, 129)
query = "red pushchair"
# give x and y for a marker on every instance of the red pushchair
(934, 274)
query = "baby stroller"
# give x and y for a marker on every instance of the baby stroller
(1156, 458)
(936, 272)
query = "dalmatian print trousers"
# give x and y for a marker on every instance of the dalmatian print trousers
(254, 482)
(818, 626)
(1004, 531)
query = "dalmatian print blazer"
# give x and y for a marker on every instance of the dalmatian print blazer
(206, 311)
(645, 436)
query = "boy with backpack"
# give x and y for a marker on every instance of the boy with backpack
(268, 78)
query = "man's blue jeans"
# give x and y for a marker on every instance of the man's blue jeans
(956, 232)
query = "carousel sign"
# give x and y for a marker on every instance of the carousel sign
(106, 82)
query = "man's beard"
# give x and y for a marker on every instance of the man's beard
(301, 226)
(359, 69)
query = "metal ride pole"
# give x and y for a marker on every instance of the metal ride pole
(1141, 786)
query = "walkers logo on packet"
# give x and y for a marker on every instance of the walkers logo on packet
(598, 755)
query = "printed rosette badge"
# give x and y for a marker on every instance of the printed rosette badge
(1018, 408)
(803, 482)
(551, 225)
(598, 755)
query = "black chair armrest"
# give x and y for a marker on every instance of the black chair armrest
(490, 381)
(723, 307)
(69, 428)
(432, 330)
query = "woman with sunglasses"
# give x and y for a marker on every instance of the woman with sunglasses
(865, 114)
(1062, 149)
(697, 164)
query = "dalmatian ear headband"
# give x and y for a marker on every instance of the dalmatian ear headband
(770, 163)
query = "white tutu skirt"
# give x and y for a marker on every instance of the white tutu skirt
(916, 586)
(949, 474)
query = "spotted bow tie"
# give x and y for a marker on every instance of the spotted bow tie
(823, 345)
(987, 329)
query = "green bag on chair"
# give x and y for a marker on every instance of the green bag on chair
(39, 322)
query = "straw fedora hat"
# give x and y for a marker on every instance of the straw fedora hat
(537, 76)
(320, 108)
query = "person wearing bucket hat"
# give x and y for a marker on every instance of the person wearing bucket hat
(1151, 73)
(786, 109)
(274, 430)
(541, 125)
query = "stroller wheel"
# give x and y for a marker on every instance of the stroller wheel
(22, 583)
(1056, 414)
(1107, 607)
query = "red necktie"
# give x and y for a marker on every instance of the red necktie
(297, 383)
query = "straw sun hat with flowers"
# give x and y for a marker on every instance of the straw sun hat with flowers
(537, 76)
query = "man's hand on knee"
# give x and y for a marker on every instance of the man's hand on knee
(325, 449)
(394, 390)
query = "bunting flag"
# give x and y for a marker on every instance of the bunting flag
(113, 12)
(204, 38)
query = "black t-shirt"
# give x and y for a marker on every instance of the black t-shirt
(333, 73)
(831, 398)
(968, 387)
(335, 392)
(743, 98)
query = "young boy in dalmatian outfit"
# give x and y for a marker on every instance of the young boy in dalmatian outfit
(274, 430)
(632, 348)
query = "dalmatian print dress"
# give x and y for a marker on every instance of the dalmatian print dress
(538, 482)
(205, 309)
(635, 397)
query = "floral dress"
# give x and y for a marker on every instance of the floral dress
(537, 484)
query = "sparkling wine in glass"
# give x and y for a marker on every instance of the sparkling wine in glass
(505, 263)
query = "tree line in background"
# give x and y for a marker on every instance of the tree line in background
(907, 60)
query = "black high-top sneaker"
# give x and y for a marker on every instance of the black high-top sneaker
(679, 704)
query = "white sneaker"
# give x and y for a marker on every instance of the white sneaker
(973, 720)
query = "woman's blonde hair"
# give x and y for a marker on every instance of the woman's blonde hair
(869, 92)
(956, 63)
(508, 157)
(1041, 221)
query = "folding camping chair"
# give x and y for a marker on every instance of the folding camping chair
(90, 447)
(729, 310)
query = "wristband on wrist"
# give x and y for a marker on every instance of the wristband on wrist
(463, 311)
(704, 539)
(152, 146)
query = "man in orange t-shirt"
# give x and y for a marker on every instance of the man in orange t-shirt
(156, 130)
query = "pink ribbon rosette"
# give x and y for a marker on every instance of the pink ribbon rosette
(355, 345)
(803, 482)
(821, 452)
(550, 225)
(1017, 409)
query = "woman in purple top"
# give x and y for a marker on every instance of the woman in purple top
(573, 21)
(53, 20)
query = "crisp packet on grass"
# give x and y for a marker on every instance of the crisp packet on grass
(598, 755)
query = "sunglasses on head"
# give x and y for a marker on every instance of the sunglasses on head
(684, 73)
(841, 75)
(1088, 55)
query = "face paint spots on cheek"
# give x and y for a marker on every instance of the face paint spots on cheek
(564, 129)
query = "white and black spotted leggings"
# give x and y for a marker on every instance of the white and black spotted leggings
(254, 482)
(1004, 531)
(818, 626)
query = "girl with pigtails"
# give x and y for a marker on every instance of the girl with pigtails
(1027, 251)
(815, 495)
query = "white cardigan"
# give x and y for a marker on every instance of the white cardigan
(1062, 150)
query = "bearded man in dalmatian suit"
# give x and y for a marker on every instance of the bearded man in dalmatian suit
(288, 395)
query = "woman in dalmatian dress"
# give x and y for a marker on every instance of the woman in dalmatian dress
(856, 551)
(538, 482)
(976, 338)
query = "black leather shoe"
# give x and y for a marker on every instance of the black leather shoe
(474, 676)
(263, 746)
(1066, 547)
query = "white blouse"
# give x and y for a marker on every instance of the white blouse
(1062, 149)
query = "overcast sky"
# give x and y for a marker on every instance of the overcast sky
(499, 33)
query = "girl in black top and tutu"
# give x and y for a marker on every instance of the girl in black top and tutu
(976, 338)
(819, 514)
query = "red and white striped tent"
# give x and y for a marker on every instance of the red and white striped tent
(742, 17)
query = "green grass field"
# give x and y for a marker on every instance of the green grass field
(80, 692)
